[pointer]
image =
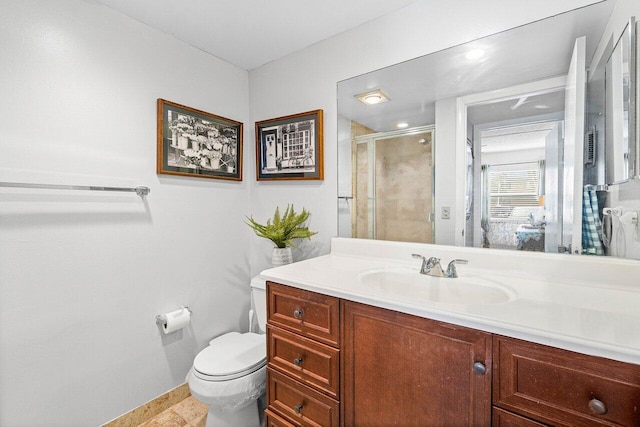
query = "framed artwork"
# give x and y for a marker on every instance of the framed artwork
(198, 144)
(290, 148)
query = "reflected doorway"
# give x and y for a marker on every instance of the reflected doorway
(520, 191)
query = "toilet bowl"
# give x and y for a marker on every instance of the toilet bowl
(230, 374)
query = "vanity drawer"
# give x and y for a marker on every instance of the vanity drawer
(559, 386)
(310, 314)
(305, 360)
(298, 404)
(272, 419)
(502, 418)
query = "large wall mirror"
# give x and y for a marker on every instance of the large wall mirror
(492, 143)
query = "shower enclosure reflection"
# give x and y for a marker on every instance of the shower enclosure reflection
(392, 180)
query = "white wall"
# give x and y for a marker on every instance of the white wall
(83, 275)
(307, 80)
(445, 170)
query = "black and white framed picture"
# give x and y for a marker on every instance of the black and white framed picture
(198, 144)
(290, 147)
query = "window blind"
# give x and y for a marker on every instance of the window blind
(514, 191)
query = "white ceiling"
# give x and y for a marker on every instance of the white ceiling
(251, 33)
(524, 54)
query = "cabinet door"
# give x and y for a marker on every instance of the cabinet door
(404, 370)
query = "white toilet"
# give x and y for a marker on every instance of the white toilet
(230, 374)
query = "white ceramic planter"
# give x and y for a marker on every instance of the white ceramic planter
(281, 256)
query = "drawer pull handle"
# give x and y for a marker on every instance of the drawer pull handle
(297, 313)
(479, 368)
(298, 408)
(597, 407)
(298, 361)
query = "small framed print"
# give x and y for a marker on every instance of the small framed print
(198, 144)
(290, 147)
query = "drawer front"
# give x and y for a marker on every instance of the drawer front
(305, 360)
(298, 404)
(272, 419)
(310, 314)
(559, 386)
(503, 418)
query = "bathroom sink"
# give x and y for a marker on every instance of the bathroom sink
(408, 282)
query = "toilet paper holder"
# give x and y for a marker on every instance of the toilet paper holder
(161, 319)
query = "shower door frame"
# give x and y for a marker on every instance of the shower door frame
(370, 139)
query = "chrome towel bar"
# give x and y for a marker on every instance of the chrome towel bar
(140, 191)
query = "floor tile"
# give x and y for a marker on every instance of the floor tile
(168, 418)
(191, 410)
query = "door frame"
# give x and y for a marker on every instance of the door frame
(537, 87)
(477, 130)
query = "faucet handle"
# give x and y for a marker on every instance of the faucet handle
(431, 260)
(451, 268)
(428, 264)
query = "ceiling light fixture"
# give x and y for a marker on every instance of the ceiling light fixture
(402, 125)
(373, 97)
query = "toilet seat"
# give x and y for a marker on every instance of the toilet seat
(230, 356)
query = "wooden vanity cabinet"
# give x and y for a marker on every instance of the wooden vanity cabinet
(303, 357)
(563, 388)
(336, 362)
(405, 370)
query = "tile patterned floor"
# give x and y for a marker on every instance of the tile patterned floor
(174, 408)
(187, 413)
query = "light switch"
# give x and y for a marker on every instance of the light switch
(446, 212)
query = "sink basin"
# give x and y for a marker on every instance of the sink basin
(409, 283)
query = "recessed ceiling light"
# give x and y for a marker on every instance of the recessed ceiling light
(475, 54)
(373, 97)
(541, 106)
(402, 125)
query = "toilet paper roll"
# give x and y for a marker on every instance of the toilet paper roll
(176, 320)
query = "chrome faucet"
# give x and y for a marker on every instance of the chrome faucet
(431, 266)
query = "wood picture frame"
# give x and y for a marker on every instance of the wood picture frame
(197, 144)
(290, 147)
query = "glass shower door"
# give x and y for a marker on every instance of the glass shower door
(393, 183)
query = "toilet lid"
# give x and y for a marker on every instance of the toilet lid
(231, 355)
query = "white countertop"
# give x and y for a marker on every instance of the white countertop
(586, 304)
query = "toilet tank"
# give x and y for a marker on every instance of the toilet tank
(259, 296)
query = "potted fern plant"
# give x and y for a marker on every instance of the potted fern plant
(283, 230)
